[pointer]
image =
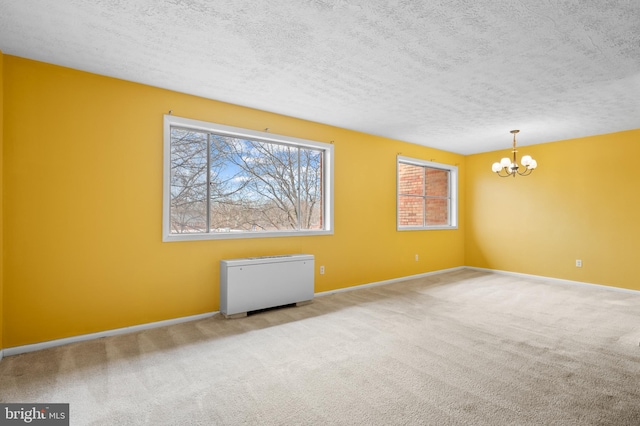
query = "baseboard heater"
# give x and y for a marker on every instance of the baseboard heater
(256, 283)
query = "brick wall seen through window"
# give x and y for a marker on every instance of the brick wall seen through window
(424, 196)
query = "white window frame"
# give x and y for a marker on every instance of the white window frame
(171, 120)
(453, 193)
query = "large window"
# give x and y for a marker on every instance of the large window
(427, 195)
(226, 182)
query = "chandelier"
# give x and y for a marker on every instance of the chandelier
(508, 167)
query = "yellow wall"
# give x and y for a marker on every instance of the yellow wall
(1, 198)
(581, 203)
(83, 202)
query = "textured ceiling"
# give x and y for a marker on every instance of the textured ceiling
(454, 75)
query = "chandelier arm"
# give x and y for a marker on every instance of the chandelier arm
(526, 172)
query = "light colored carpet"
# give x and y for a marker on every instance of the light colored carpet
(465, 347)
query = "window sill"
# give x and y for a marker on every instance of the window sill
(426, 228)
(240, 235)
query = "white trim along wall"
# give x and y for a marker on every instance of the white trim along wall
(555, 280)
(59, 342)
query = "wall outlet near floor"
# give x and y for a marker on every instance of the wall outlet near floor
(417, 258)
(322, 270)
(578, 263)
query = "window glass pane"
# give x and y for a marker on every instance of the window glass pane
(311, 196)
(410, 179)
(410, 211)
(227, 184)
(437, 211)
(437, 182)
(188, 181)
(258, 186)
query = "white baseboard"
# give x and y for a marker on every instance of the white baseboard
(83, 337)
(59, 342)
(391, 281)
(1, 354)
(556, 280)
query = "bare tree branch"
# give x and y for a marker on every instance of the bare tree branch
(253, 185)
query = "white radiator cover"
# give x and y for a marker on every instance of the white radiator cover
(265, 282)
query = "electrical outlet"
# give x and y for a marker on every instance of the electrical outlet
(417, 258)
(578, 263)
(322, 270)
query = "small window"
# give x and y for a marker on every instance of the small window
(227, 182)
(427, 195)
